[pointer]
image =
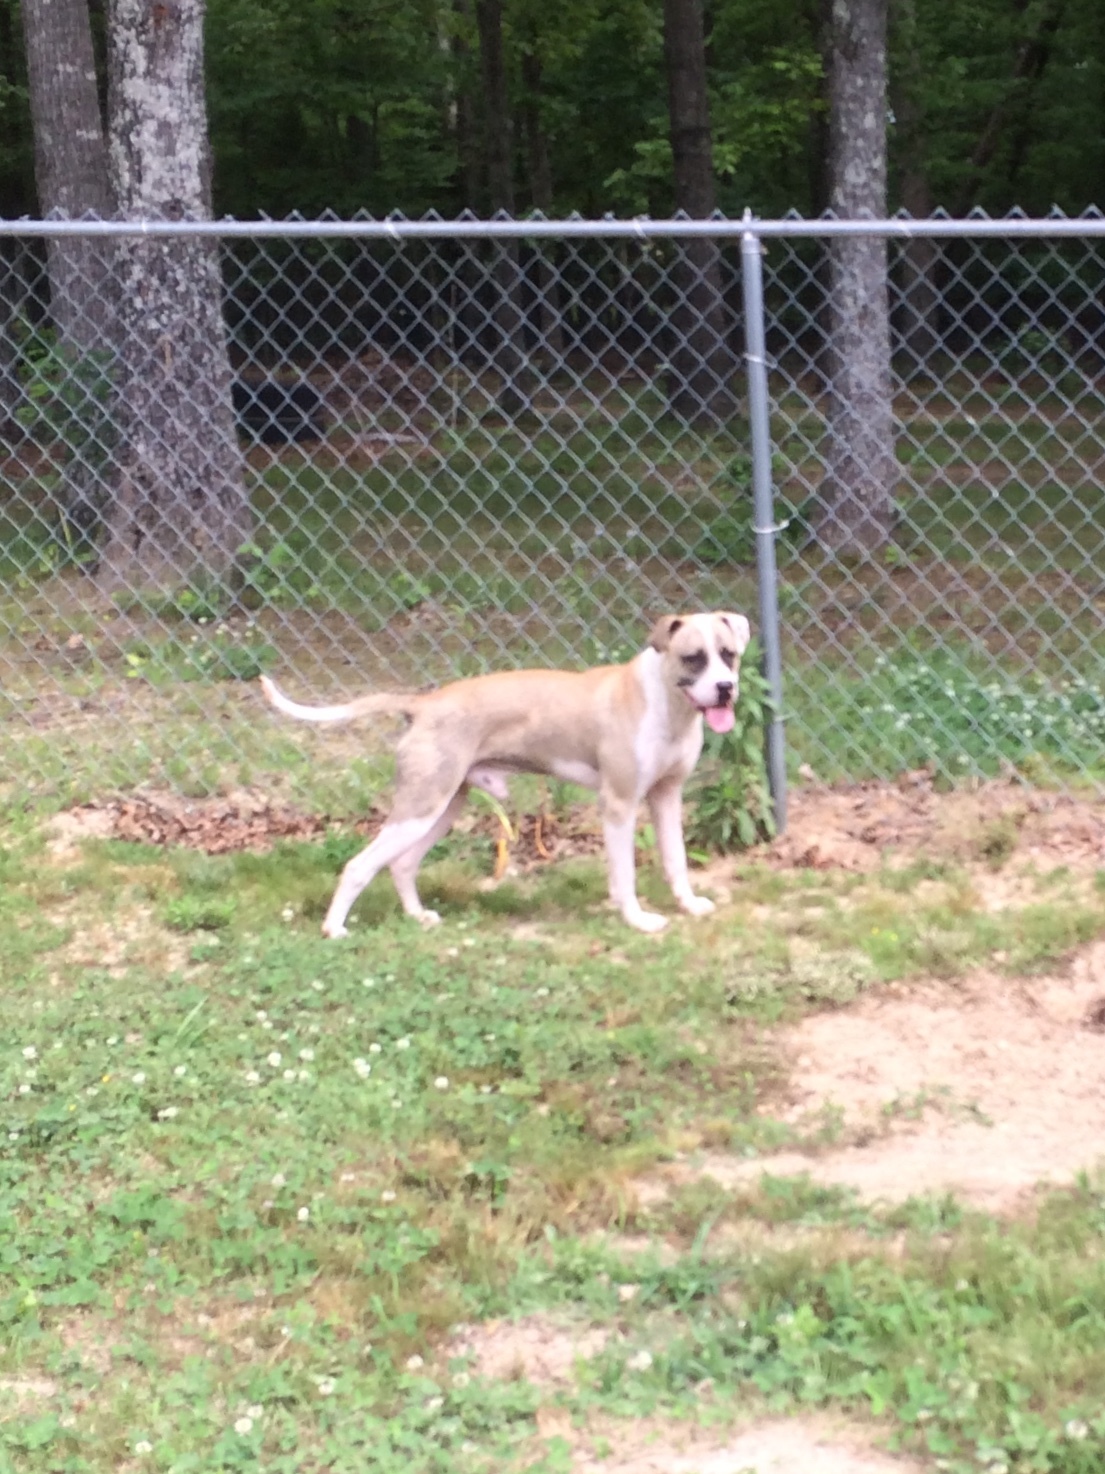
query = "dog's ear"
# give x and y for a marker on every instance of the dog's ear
(742, 630)
(663, 630)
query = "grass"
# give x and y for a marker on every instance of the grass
(250, 1179)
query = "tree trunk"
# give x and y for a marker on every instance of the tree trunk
(545, 277)
(180, 507)
(920, 296)
(508, 354)
(856, 506)
(72, 180)
(71, 167)
(702, 366)
(11, 300)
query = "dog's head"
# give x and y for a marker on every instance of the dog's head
(702, 654)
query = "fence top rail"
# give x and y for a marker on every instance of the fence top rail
(645, 229)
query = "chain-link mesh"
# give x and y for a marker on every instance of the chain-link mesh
(448, 454)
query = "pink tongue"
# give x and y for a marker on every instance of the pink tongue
(719, 718)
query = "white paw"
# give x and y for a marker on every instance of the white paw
(333, 930)
(646, 921)
(697, 905)
(426, 917)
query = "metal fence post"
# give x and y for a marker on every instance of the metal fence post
(763, 512)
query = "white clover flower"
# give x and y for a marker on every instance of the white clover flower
(30, 1052)
(243, 1426)
(387, 1196)
(139, 1077)
(317, 985)
(375, 1048)
(1076, 1429)
(255, 1411)
(363, 1068)
(640, 1361)
(289, 1074)
(326, 1386)
(402, 1043)
(180, 1071)
(24, 1090)
(303, 1214)
(461, 1380)
(278, 1179)
(267, 1024)
(287, 913)
(166, 1113)
(415, 1363)
(252, 1077)
(434, 1403)
(261, 1014)
(275, 1058)
(368, 982)
(307, 1055)
(442, 1082)
(143, 1446)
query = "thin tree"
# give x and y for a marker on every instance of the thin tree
(702, 365)
(856, 504)
(507, 313)
(180, 506)
(920, 293)
(72, 181)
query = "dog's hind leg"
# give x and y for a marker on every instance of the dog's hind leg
(404, 870)
(393, 841)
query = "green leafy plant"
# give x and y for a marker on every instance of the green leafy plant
(731, 803)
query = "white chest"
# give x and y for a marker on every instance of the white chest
(660, 753)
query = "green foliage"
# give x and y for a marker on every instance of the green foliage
(730, 537)
(730, 802)
(67, 404)
(228, 653)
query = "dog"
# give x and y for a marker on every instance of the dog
(630, 731)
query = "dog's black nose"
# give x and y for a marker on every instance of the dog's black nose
(724, 693)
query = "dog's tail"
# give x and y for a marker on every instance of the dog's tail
(380, 703)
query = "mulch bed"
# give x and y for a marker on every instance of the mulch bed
(220, 826)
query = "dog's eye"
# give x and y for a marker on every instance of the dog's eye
(697, 661)
(727, 657)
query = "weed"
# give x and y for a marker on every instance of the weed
(731, 801)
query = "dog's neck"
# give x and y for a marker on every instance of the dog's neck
(662, 694)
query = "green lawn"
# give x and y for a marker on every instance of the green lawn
(251, 1179)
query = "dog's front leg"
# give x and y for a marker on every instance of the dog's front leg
(619, 823)
(665, 803)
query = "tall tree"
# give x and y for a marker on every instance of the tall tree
(546, 306)
(920, 293)
(72, 180)
(180, 506)
(700, 385)
(509, 352)
(71, 166)
(856, 505)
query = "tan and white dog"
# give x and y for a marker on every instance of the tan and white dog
(631, 731)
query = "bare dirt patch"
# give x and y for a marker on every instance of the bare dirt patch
(862, 826)
(799, 1445)
(540, 1349)
(22, 1395)
(985, 1089)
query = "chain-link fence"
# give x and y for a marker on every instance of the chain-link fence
(404, 451)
